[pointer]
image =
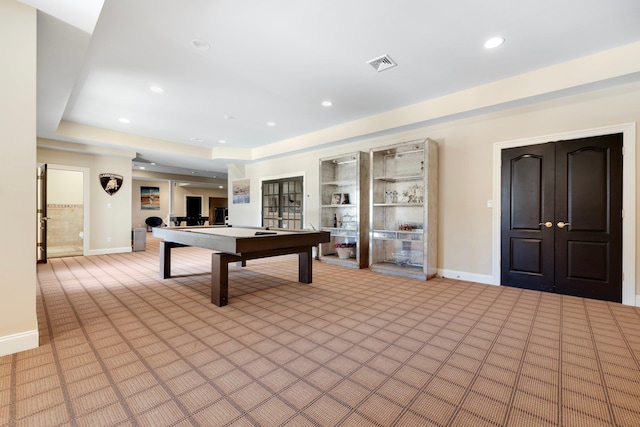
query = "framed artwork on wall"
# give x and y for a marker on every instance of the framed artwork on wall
(241, 191)
(150, 198)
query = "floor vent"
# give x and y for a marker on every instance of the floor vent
(382, 63)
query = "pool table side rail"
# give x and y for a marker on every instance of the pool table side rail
(243, 245)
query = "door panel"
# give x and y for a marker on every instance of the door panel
(194, 210)
(527, 177)
(589, 198)
(271, 213)
(41, 214)
(282, 201)
(562, 217)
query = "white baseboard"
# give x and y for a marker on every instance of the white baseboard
(487, 279)
(15, 343)
(108, 251)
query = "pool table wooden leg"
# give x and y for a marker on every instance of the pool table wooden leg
(220, 277)
(165, 259)
(304, 266)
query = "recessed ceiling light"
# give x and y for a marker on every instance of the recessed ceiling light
(221, 186)
(272, 124)
(228, 117)
(156, 89)
(200, 44)
(196, 139)
(123, 120)
(152, 164)
(327, 103)
(222, 141)
(142, 167)
(494, 42)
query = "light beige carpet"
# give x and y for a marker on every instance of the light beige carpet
(119, 346)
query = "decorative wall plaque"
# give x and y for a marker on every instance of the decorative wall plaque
(110, 182)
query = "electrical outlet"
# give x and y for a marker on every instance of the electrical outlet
(108, 239)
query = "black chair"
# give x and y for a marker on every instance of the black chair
(153, 221)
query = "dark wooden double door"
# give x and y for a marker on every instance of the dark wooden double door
(561, 217)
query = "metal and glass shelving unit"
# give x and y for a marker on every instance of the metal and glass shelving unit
(403, 223)
(344, 209)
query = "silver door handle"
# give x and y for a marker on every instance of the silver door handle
(547, 224)
(563, 224)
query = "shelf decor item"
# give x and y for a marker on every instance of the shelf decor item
(345, 250)
(403, 220)
(344, 209)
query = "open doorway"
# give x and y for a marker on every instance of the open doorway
(194, 209)
(64, 213)
(218, 211)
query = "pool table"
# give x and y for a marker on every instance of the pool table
(238, 244)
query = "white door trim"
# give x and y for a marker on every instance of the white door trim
(628, 131)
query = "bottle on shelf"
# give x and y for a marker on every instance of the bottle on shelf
(335, 221)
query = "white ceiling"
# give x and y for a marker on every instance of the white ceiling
(277, 60)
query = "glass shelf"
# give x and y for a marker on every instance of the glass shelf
(340, 183)
(398, 178)
(407, 235)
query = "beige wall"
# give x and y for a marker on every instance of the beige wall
(64, 187)
(139, 215)
(466, 167)
(18, 321)
(181, 193)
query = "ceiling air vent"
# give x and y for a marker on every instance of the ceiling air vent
(382, 63)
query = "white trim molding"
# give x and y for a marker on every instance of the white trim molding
(22, 341)
(463, 275)
(628, 131)
(108, 251)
